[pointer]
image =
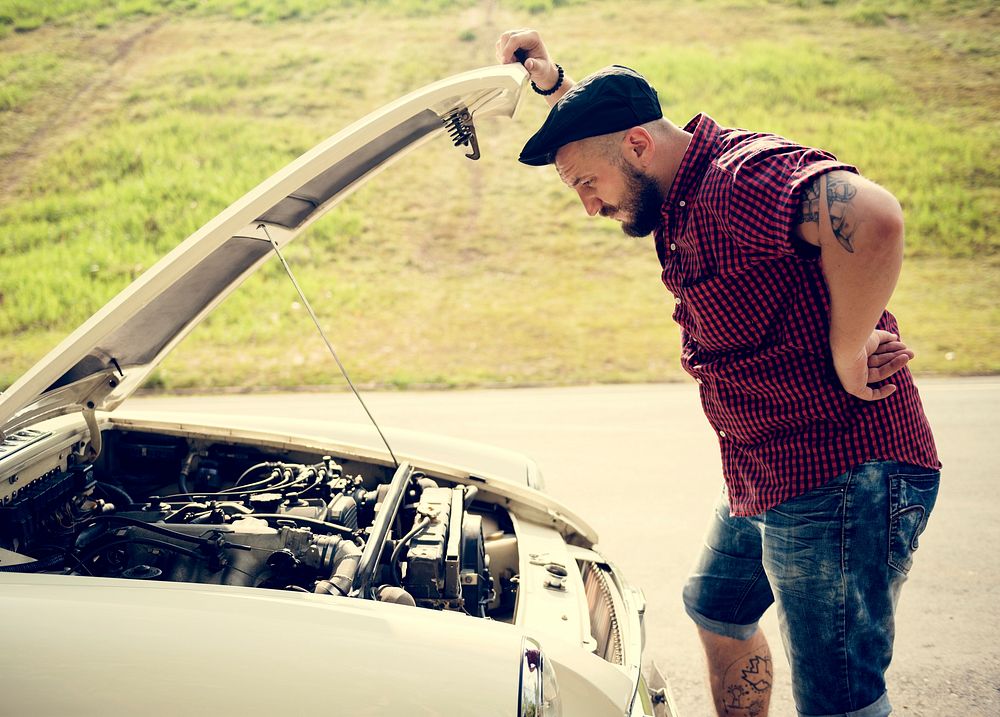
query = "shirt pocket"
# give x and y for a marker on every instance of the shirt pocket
(740, 311)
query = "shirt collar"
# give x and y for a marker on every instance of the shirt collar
(704, 131)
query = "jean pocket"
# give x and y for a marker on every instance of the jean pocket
(912, 493)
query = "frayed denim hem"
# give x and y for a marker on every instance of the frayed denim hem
(725, 629)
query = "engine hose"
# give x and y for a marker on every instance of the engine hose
(114, 491)
(399, 596)
(152, 528)
(425, 482)
(345, 560)
(182, 478)
(36, 566)
(310, 522)
(419, 528)
(470, 494)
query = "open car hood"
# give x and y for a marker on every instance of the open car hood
(110, 355)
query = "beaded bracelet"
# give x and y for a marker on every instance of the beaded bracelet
(555, 87)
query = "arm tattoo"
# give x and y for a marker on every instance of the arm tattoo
(809, 207)
(839, 193)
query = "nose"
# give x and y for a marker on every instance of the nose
(590, 202)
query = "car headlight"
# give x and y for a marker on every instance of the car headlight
(539, 691)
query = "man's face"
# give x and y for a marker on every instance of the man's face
(611, 187)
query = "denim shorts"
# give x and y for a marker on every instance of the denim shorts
(833, 560)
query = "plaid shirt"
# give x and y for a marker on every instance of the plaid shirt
(754, 311)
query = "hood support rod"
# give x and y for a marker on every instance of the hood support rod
(312, 314)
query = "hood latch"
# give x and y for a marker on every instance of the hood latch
(462, 131)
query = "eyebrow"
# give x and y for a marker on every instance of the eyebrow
(562, 178)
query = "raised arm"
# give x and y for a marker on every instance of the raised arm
(526, 47)
(858, 227)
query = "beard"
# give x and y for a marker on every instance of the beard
(642, 203)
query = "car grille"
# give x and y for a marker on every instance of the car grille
(603, 621)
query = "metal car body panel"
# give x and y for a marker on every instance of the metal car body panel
(120, 647)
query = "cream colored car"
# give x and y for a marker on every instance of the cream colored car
(164, 564)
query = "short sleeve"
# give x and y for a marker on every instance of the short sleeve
(769, 176)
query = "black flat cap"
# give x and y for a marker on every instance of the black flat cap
(610, 100)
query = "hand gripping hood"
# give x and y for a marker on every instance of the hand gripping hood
(110, 355)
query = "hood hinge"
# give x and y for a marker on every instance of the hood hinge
(89, 406)
(96, 442)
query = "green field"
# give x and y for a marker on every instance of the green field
(125, 126)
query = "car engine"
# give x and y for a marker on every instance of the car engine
(160, 507)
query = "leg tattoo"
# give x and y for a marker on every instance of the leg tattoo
(747, 685)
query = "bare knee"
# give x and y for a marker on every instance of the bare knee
(721, 645)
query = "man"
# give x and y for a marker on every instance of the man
(781, 261)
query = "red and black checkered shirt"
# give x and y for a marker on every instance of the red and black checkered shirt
(754, 312)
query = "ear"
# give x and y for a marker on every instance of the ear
(638, 147)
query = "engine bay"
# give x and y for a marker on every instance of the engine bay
(158, 506)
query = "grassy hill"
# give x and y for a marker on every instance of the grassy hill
(124, 126)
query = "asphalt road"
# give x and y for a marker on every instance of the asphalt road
(642, 466)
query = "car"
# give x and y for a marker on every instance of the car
(167, 562)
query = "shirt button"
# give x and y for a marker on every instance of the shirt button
(682, 203)
(700, 382)
(677, 300)
(722, 434)
(673, 247)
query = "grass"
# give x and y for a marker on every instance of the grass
(125, 126)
